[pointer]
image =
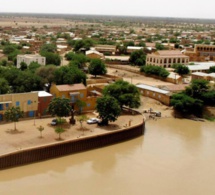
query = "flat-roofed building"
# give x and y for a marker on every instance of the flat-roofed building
(161, 95)
(166, 58)
(201, 66)
(131, 49)
(202, 75)
(111, 49)
(28, 58)
(202, 53)
(75, 93)
(28, 103)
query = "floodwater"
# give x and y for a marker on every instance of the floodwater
(174, 157)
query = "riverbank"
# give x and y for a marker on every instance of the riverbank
(102, 136)
(28, 136)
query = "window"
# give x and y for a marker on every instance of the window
(73, 98)
(88, 105)
(1, 107)
(81, 95)
(29, 102)
(17, 103)
(7, 105)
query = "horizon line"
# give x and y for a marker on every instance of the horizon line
(140, 16)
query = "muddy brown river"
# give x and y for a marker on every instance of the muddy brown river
(174, 157)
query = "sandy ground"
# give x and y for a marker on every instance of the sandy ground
(27, 134)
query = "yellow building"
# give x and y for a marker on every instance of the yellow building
(161, 95)
(28, 103)
(74, 92)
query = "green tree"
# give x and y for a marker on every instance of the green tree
(48, 48)
(97, 67)
(197, 88)
(33, 66)
(59, 131)
(23, 66)
(80, 104)
(211, 69)
(138, 58)
(77, 59)
(69, 75)
(13, 114)
(47, 74)
(4, 86)
(81, 119)
(85, 43)
(40, 129)
(108, 109)
(8, 49)
(26, 81)
(59, 107)
(209, 98)
(125, 93)
(52, 58)
(159, 46)
(181, 69)
(186, 104)
(155, 70)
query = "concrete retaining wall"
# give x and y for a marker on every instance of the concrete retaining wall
(69, 147)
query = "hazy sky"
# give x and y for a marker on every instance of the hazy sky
(164, 8)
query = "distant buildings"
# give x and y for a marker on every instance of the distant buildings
(166, 58)
(202, 53)
(28, 58)
(110, 49)
(93, 54)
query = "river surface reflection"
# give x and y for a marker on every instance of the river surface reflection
(174, 157)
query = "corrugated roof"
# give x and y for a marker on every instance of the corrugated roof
(151, 88)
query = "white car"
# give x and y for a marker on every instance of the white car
(93, 121)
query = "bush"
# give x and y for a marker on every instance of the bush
(155, 70)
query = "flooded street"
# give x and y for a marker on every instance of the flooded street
(174, 157)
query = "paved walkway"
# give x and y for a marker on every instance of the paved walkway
(27, 134)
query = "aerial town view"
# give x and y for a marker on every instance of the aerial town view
(111, 97)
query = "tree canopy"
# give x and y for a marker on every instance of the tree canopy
(59, 107)
(69, 75)
(125, 93)
(186, 104)
(138, 58)
(181, 69)
(97, 67)
(4, 86)
(13, 114)
(108, 109)
(155, 70)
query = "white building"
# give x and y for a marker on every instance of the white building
(28, 58)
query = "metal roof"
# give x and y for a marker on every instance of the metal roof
(151, 88)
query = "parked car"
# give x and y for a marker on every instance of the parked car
(54, 122)
(93, 121)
